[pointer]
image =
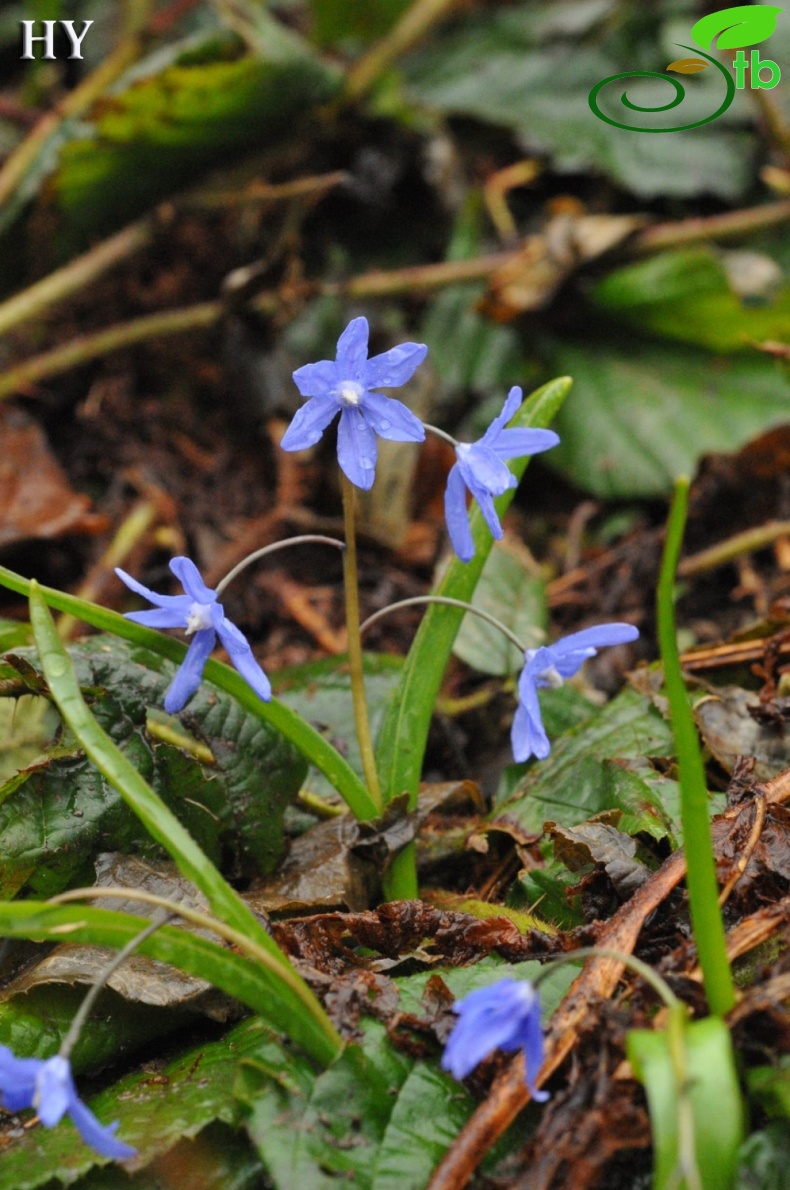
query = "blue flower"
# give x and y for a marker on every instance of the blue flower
(203, 618)
(548, 666)
(48, 1087)
(504, 1016)
(482, 469)
(344, 386)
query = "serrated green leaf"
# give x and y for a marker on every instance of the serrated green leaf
(512, 69)
(154, 1113)
(641, 416)
(321, 693)
(512, 593)
(713, 1097)
(55, 818)
(291, 726)
(574, 782)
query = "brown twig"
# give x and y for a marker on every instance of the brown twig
(376, 283)
(412, 26)
(711, 227)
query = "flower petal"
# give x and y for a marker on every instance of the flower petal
(309, 423)
(481, 467)
(188, 575)
(99, 1136)
(317, 380)
(457, 516)
(352, 351)
(54, 1091)
(489, 1018)
(356, 448)
(17, 1079)
(532, 1043)
(391, 419)
(514, 444)
(163, 617)
(486, 502)
(512, 403)
(242, 657)
(152, 597)
(394, 367)
(190, 672)
(596, 637)
(528, 735)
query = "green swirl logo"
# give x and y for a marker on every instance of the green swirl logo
(744, 25)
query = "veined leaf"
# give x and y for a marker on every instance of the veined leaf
(746, 24)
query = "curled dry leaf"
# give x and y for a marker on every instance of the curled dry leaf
(35, 497)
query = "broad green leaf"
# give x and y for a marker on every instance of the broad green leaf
(468, 351)
(522, 69)
(686, 296)
(311, 1025)
(405, 731)
(27, 725)
(154, 1113)
(713, 1096)
(512, 593)
(321, 693)
(258, 983)
(172, 122)
(770, 1086)
(56, 816)
(574, 782)
(641, 415)
(309, 742)
(35, 1025)
(746, 24)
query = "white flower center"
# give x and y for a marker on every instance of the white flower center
(199, 617)
(462, 449)
(551, 677)
(349, 393)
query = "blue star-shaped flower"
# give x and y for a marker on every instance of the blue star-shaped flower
(203, 618)
(344, 386)
(48, 1086)
(549, 666)
(482, 469)
(504, 1016)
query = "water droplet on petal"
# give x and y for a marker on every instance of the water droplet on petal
(366, 462)
(384, 423)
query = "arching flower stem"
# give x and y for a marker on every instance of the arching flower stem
(302, 539)
(477, 611)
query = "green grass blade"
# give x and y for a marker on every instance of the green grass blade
(235, 974)
(156, 817)
(404, 732)
(312, 745)
(703, 890)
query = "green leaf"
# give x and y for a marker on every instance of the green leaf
(154, 1114)
(642, 415)
(309, 742)
(337, 22)
(172, 122)
(574, 782)
(746, 24)
(686, 296)
(275, 993)
(405, 731)
(713, 1097)
(519, 68)
(310, 1025)
(55, 816)
(27, 725)
(510, 591)
(320, 692)
(770, 1086)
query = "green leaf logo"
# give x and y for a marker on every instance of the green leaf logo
(688, 65)
(747, 24)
